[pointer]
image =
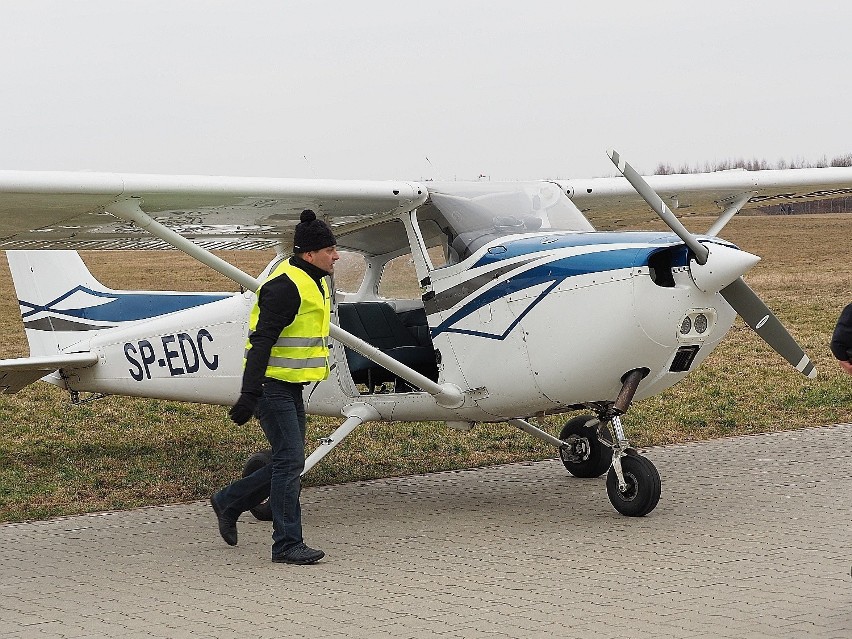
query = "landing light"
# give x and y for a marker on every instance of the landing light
(696, 325)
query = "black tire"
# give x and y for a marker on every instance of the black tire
(260, 459)
(596, 458)
(643, 486)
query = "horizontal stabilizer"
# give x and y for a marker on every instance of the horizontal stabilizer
(17, 373)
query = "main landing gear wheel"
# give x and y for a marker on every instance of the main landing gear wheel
(586, 455)
(642, 490)
(257, 461)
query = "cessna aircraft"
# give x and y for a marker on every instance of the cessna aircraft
(524, 307)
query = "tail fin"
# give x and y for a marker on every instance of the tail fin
(63, 304)
(55, 291)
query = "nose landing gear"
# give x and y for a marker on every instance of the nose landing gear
(592, 445)
(635, 490)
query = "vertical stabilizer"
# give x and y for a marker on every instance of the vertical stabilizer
(63, 306)
(57, 294)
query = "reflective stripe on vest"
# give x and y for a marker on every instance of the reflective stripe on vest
(301, 352)
(298, 341)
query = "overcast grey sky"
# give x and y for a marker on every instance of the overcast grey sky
(371, 89)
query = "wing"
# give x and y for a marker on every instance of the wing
(69, 210)
(603, 199)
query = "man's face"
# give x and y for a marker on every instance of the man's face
(323, 258)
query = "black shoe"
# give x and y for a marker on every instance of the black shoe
(227, 527)
(299, 554)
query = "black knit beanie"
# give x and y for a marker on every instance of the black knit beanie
(312, 234)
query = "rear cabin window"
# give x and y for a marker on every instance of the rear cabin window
(349, 271)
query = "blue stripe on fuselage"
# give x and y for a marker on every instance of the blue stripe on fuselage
(535, 244)
(554, 272)
(123, 307)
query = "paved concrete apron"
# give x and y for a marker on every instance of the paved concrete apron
(751, 538)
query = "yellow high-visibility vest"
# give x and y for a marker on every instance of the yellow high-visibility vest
(301, 352)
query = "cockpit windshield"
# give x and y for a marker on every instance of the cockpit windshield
(463, 217)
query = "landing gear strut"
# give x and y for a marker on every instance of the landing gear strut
(632, 483)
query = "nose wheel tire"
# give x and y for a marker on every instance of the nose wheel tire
(587, 456)
(256, 462)
(642, 490)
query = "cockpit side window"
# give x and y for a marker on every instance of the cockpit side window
(399, 279)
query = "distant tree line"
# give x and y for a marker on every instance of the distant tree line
(663, 168)
(834, 205)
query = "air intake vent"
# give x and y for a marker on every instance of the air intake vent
(660, 264)
(683, 359)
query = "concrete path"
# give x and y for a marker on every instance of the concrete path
(750, 539)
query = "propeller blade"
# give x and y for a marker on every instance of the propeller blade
(738, 294)
(656, 202)
(756, 314)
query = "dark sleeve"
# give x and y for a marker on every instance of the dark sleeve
(279, 303)
(841, 341)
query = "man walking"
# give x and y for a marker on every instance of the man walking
(287, 348)
(841, 340)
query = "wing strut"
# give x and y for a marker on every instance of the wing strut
(446, 395)
(730, 211)
(131, 211)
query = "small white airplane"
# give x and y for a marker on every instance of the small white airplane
(525, 308)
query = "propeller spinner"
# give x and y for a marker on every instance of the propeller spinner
(721, 268)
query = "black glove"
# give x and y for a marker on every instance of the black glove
(243, 410)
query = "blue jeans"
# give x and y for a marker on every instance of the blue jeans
(281, 412)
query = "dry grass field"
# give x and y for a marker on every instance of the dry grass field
(57, 458)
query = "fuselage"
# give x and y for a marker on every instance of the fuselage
(529, 323)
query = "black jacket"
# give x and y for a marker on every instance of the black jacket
(279, 302)
(841, 341)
